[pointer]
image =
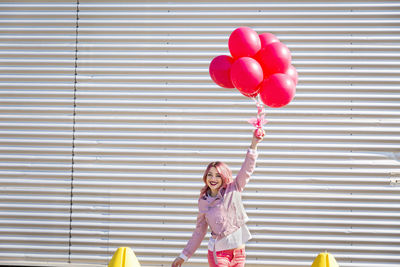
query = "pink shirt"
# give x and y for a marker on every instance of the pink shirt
(226, 213)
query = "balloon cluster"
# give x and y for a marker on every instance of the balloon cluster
(260, 65)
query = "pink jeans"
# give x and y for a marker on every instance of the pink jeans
(228, 258)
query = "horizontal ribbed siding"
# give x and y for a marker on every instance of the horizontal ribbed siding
(36, 122)
(148, 119)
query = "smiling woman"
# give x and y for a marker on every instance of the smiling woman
(214, 181)
(221, 208)
(217, 174)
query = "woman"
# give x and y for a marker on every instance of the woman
(221, 208)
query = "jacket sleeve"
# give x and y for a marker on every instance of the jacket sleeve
(197, 236)
(246, 170)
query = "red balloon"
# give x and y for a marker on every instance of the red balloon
(220, 71)
(292, 72)
(244, 42)
(267, 38)
(274, 58)
(277, 90)
(246, 76)
(254, 94)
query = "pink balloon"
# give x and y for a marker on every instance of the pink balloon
(274, 58)
(277, 90)
(267, 38)
(292, 72)
(244, 42)
(220, 71)
(246, 76)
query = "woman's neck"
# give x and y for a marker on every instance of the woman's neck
(212, 193)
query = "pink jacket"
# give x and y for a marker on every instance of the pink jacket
(226, 213)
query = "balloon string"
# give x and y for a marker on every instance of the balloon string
(260, 120)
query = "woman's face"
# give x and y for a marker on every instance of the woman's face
(214, 180)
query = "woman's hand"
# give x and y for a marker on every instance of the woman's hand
(257, 138)
(177, 262)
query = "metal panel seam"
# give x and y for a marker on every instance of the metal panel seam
(73, 131)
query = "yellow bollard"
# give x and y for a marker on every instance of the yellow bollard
(124, 257)
(325, 260)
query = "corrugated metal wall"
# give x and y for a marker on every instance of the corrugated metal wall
(37, 72)
(108, 111)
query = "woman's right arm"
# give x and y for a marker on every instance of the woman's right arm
(249, 163)
(195, 241)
